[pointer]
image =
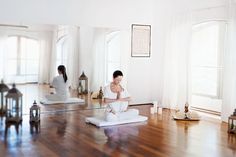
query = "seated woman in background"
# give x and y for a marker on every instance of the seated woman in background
(117, 99)
(61, 86)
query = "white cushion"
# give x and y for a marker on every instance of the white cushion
(100, 122)
(68, 101)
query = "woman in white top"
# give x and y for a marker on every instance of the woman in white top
(114, 91)
(61, 86)
(117, 99)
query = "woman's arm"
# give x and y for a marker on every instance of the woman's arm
(107, 100)
(125, 99)
(118, 98)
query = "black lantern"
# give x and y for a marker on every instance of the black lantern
(232, 124)
(14, 105)
(34, 113)
(83, 84)
(3, 89)
(100, 94)
(34, 128)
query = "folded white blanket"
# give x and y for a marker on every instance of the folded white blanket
(68, 101)
(100, 122)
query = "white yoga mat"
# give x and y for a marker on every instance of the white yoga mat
(68, 101)
(100, 122)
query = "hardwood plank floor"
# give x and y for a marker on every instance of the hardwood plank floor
(65, 134)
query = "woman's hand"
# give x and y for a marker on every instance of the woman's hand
(110, 110)
(124, 99)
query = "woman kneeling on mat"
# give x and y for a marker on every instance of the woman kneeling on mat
(118, 99)
(60, 83)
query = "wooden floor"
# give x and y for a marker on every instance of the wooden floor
(64, 133)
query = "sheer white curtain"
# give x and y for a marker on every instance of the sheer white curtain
(98, 59)
(52, 66)
(177, 63)
(73, 56)
(44, 58)
(3, 39)
(229, 73)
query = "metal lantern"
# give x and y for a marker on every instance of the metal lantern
(14, 105)
(100, 94)
(83, 84)
(232, 124)
(35, 128)
(34, 113)
(3, 89)
(18, 130)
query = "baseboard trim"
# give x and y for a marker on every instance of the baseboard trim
(206, 111)
(140, 104)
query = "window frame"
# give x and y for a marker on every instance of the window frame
(62, 40)
(109, 36)
(19, 53)
(220, 55)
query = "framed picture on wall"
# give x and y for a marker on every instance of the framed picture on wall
(140, 40)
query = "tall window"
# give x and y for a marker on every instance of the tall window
(207, 64)
(113, 54)
(22, 59)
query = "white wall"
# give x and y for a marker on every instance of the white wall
(201, 11)
(100, 13)
(144, 75)
(86, 42)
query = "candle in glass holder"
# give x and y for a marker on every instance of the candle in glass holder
(155, 106)
(159, 110)
(152, 110)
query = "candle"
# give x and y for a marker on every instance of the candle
(152, 110)
(159, 110)
(155, 106)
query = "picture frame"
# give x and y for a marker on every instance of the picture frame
(140, 40)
